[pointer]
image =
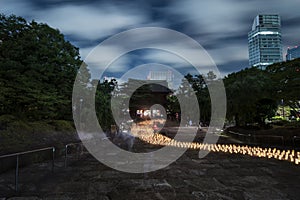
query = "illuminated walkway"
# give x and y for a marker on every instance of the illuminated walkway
(270, 153)
(144, 132)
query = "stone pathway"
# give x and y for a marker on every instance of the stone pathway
(217, 176)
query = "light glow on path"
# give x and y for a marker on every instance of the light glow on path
(144, 132)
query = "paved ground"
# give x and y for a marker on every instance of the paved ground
(217, 176)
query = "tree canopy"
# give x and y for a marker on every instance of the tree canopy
(253, 95)
(37, 70)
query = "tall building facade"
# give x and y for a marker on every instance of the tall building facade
(293, 53)
(162, 75)
(264, 41)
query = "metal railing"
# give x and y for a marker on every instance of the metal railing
(17, 155)
(239, 134)
(247, 137)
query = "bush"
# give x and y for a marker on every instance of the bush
(280, 122)
(17, 137)
(294, 124)
(41, 127)
(21, 135)
(19, 126)
(5, 120)
(62, 125)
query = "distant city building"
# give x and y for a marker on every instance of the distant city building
(264, 41)
(163, 76)
(293, 53)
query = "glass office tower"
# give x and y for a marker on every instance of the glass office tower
(293, 53)
(264, 41)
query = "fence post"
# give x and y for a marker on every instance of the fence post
(81, 150)
(17, 174)
(53, 156)
(293, 141)
(248, 138)
(295, 138)
(66, 155)
(77, 151)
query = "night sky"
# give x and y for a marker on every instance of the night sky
(220, 26)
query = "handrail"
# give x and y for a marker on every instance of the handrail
(240, 134)
(26, 152)
(23, 153)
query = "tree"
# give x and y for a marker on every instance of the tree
(265, 109)
(37, 70)
(103, 103)
(199, 85)
(286, 82)
(245, 90)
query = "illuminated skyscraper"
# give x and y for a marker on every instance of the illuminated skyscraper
(293, 53)
(264, 41)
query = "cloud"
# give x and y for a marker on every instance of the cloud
(89, 22)
(233, 52)
(218, 25)
(222, 26)
(291, 30)
(203, 63)
(105, 59)
(85, 21)
(215, 17)
(16, 7)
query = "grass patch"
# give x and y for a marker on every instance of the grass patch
(62, 125)
(41, 127)
(20, 135)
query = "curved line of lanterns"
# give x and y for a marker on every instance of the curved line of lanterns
(146, 134)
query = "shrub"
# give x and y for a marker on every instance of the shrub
(41, 127)
(5, 120)
(62, 125)
(294, 124)
(280, 122)
(19, 126)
